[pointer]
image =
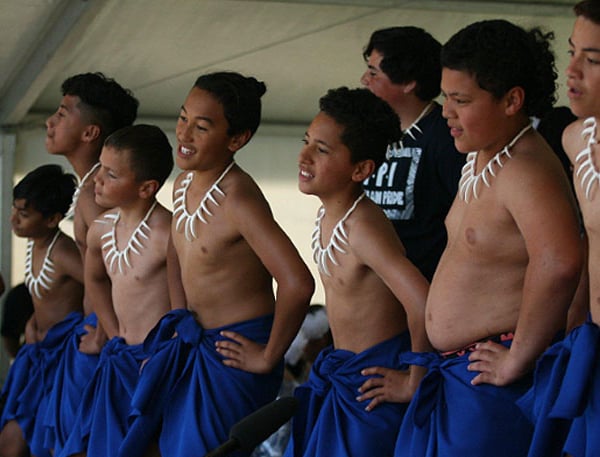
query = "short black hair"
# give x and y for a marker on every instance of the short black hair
(590, 9)
(501, 55)
(409, 54)
(369, 123)
(240, 97)
(107, 103)
(149, 152)
(47, 189)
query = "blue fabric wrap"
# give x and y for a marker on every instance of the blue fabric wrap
(330, 421)
(186, 388)
(575, 394)
(30, 381)
(448, 416)
(102, 418)
(73, 373)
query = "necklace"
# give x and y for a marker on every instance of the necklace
(112, 255)
(71, 211)
(469, 181)
(586, 170)
(44, 279)
(338, 237)
(411, 127)
(189, 220)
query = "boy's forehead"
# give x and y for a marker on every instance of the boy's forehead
(203, 104)
(20, 203)
(586, 34)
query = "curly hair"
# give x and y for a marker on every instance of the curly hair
(369, 123)
(104, 100)
(47, 189)
(240, 97)
(501, 55)
(409, 54)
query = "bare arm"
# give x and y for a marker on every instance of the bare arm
(98, 284)
(295, 284)
(543, 210)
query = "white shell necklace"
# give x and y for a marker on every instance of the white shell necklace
(113, 256)
(469, 181)
(586, 170)
(338, 238)
(189, 220)
(411, 127)
(44, 279)
(75, 199)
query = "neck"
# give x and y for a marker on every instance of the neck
(82, 162)
(44, 241)
(409, 110)
(132, 214)
(336, 206)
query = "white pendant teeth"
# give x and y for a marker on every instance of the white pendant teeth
(586, 171)
(44, 279)
(77, 192)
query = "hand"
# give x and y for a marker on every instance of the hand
(93, 341)
(495, 363)
(243, 353)
(387, 385)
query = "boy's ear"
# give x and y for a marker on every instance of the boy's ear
(409, 87)
(52, 221)
(238, 140)
(362, 170)
(91, 133)
(515, 100)
(148, 188)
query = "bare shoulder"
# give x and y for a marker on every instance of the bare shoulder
(573, 139)
(242, 192)
(65, 250)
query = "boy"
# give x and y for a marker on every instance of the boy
(513, 260)
(570, 368)
(374, 293)
(92, 107)
(54, 277)
(417, 181)
(226, 359)
(125, 270)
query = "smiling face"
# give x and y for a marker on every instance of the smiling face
(324, 161)
(473, 113)
(583, 71)
(202, 133)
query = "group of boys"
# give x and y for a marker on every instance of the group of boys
(447, 340)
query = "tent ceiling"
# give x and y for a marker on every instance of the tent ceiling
(158, 47)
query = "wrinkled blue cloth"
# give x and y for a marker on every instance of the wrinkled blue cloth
(73, 373)
(449, 417)
(30, 380)
(186, 387)
(102, 418)
(330, 421)
(565, 400)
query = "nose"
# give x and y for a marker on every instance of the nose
(446, 109)
(13, 215)
(50, 121)
(305, 154)
(98, 177)
(364, 79)
(184, 132)
(574, 68)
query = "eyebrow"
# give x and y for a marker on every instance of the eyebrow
(584, 49)
(200, 118)
(324, 143)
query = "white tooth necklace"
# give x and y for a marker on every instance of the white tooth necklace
(71, 211)
(339, 238)
(409, 130)
(586, 170)
(44, 279)
(189, 220)
(113, 256)
(469, 181)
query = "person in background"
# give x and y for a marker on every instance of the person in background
(416, 183)
(16, 311)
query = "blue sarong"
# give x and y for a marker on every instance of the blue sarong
(449, 417)
(102, 419)
(73, 373)
(30, 380)
(330, 421)
(565, 400)
(186, 386)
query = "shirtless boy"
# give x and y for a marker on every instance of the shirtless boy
(374, 294)
(126, 271)
(92, 107)
(228, 249)
(54, 277)
(513, 260)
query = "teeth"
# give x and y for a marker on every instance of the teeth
(186, 151)
(306, 174)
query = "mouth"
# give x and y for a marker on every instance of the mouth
(455, 131)
(305, 175)
(185, 151)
